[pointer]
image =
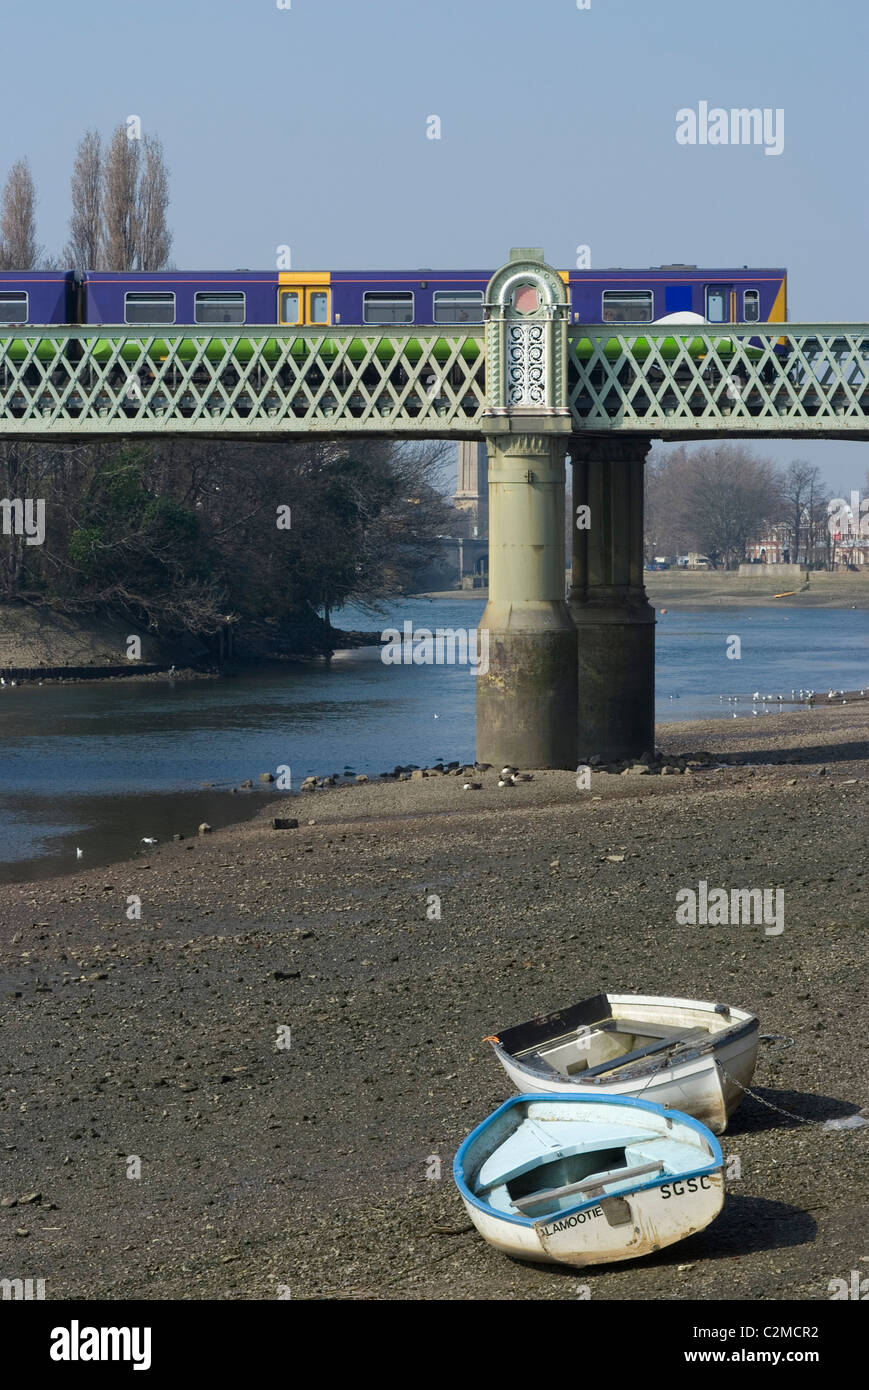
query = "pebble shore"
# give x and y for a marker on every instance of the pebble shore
(288, 1039)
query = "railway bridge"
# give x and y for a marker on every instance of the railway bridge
(567, 676)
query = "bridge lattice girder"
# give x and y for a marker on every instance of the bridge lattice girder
(676, 382)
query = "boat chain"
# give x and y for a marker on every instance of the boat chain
(779, 1109)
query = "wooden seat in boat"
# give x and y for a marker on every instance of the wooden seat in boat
(694, 1038)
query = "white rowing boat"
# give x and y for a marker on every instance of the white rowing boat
(584, 1180)
(694, 1056)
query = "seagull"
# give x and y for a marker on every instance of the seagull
(502, 783)
(508, 771)
(472, 786)
(756, 695)
(148, 840)
(521, 777)
(79, 853)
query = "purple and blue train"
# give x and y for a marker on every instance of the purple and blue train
(227, 299)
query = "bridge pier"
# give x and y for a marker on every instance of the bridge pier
(526, 700)
(607, 599)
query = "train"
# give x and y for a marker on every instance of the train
(312, 299)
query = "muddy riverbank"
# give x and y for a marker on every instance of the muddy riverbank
(255, 1083)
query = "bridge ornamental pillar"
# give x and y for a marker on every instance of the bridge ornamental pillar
(607, 599)
(526, 698)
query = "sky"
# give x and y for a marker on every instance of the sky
(308, 127)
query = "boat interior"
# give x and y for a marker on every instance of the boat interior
(597, 1048)
(550, 1164)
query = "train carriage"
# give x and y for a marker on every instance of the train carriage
(454, 298)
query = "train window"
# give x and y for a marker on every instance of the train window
(458, 306)
(716, 303)
(319, 306)
(13, 306)
(627, 306)
(751, 306)
(225, 307)
(387, 306)
(151, 307)
(289, 306)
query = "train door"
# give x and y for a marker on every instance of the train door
(721, 304)
(304, 298)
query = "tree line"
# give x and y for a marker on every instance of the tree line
(194, 537)
(719, 499)
(120, 201)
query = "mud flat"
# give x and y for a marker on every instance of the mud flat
(381, 940)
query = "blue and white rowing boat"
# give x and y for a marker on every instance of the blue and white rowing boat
(582, 1180)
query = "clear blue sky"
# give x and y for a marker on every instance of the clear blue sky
(307, 126)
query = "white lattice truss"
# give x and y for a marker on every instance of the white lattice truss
(251, 382)
(676, 382)
(778, 379)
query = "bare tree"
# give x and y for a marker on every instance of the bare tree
(798, 489)
(155, 239)
(18, 248)
(712, 499)
(121, 202)
(83, 250)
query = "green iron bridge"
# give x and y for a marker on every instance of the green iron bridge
(784, 380)
(567, 676)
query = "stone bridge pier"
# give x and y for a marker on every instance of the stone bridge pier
(566, 678)
(607, 599)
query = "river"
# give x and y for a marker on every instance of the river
(99, 766)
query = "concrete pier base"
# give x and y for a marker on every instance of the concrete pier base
(607, 600)
(526, 700)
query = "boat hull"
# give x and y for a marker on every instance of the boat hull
(708, 1083)
(617, 1228)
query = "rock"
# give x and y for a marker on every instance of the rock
(176, 838)
(266, 777)
(616, 858)
(284, 823)
(636, 770)
(404, 776)
(418, 774)
(204, 828)
(29, 1199)
(308, 785)
(360, 778)
(247, 783)
(286, 974)
(451, 767)
(8, 1201)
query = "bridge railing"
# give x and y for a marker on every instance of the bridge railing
(672, 381)
(686, 379)
(255, 380)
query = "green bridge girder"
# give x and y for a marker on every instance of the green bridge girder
(673, 382)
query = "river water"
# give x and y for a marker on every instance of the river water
(99, 766)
